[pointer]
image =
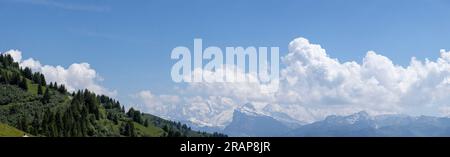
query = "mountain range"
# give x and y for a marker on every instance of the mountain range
(363, 125)
(249, 123)
(29, 105)
(246, 122)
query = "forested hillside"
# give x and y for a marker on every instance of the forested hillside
(28, 103)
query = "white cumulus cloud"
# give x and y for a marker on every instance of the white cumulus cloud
(78, 76)
(314, 85)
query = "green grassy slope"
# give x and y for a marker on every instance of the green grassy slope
(8, 131)
(149, 131)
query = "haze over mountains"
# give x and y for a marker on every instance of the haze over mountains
(250, 123)
(28, 100)
(315, 84)
(247, 122)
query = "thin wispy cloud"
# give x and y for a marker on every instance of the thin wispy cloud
(66, 5)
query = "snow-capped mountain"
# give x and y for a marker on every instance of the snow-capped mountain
(362, 125)
(267, 120)
(249, 122)
(359, 124)
(282, 117)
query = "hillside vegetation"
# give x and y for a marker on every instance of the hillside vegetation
(28, 103)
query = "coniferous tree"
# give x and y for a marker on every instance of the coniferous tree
(28, 73)
(23, 84)
(135, 115)
(15, 80)
(128, 129)
(46, 97)
(40, 90)
(23, 124)
(146, 123)
(35, 126)
(62, 89)
(8, 60)
(43, 81)
(36, 78)
(4, 77)
(72, 114)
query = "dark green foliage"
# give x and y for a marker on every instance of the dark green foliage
(46, 97)
(23, 84)
(7, 61)
(10, 94)
(15, 79)
(51, 85)
(109, 103)
(27, 73)
(43, 82)
(56, 113)
(146, 124)
(39, 79)
(23, 124)
(4, 77)
(135, 115)
(40, 90)
(216, 134)
(176, 129)
(62, 89)
(114, 116)
(128, 129)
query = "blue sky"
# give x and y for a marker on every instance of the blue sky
(129, 43)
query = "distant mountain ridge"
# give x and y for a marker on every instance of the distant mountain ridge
(247, 122)
(363, 125)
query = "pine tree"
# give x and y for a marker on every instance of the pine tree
(130, 112)
(8, 60)
(128, 129)
(15, 79)
(40, 90)
(51, 85)
(23, 84)
(146, 123)
(135, 115)
(28, 73)
(46, 98)
(35, 125)
(23, 124)
(36, 78)
(4, 77)
(62, 89)
(43, 81)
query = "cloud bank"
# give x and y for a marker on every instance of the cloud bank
(314, 85)
(78, 76)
